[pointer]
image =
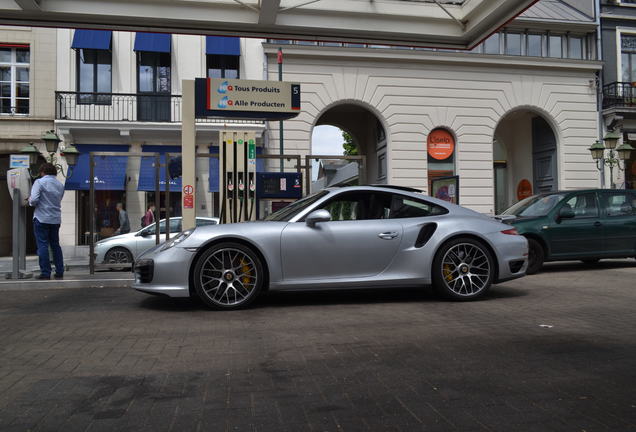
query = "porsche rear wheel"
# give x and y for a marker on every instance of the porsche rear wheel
(463, 269)
(228, 276)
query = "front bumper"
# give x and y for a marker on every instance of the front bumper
(164, 272)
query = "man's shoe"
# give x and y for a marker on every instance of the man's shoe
(43, 277)
(58, 276)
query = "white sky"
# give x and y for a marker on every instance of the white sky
(325, 140)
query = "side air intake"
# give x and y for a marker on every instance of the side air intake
(426, 232)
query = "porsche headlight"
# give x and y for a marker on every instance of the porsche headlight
(178, 239)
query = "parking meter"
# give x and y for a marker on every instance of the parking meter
(19, 178)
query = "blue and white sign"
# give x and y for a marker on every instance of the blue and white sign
(19, 161)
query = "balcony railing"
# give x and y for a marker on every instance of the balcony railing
(619, 95)
(125, 107)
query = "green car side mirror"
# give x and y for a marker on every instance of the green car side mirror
(565, 212)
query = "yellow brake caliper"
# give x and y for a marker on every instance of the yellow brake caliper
(246, 271)
(448, 273)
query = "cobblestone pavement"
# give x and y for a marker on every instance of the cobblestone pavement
(551, 352)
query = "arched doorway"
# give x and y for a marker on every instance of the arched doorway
(525, 157)
(367, 137)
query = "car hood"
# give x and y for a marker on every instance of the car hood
(250, 231)
(117, 238)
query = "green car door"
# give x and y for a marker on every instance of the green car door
(619, 222)
(580, 236)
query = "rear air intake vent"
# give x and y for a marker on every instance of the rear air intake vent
(426, 232)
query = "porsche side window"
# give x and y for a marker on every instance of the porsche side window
(343, 210)
(349, 206)
(406, 207)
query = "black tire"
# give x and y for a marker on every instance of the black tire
(215, 279)
(475, 282)
(536, 256)
(118, 255)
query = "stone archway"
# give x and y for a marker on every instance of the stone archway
(367, 132)
(525, 154)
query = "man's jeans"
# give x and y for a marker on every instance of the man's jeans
(45, 235)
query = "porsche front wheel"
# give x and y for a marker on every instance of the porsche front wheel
(228, 276)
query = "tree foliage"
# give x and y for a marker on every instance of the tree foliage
(350, 148)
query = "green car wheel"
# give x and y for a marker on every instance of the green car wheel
(536, 256)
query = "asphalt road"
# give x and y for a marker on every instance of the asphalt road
(551, 352)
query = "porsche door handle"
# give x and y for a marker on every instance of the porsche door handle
(388, 235)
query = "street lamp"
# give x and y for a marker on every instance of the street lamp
(611, 139)
(598, 154)
(33, 153)
(71, 154)
(51, 142)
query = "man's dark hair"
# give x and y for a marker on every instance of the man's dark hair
(48, 169)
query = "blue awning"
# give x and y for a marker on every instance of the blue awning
(92, 39)
(153, 42)
(109, 171)
(147, 169)
(214, 167)
(222, 45)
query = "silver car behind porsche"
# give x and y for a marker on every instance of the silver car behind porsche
(360, 236)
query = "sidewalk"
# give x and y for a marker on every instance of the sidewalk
(72, 279)
(76, 275)
(71, 264)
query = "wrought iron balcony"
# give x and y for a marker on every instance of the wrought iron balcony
(619, 95)
(125, 107)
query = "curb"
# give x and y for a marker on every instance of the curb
(75, 282)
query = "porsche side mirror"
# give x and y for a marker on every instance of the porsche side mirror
(565, 213)
(316, 216)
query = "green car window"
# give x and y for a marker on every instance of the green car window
(584, 205)
(620, 204)
(535, 206)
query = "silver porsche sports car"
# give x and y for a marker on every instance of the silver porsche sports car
(360, 236)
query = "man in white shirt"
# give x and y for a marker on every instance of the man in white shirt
(46, 197)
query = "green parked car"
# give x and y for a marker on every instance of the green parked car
(584, 225)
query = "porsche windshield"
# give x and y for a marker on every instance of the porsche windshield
(534, 206)
(288, 212)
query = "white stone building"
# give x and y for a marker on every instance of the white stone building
(27, 85)
(540, 70)
(515, 115)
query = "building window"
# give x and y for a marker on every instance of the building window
(381, 166)
(535, 45)
(153, 86)
(94, 75)
(555, 46)
(513, 44)
(153, 72)
(491, 45)
(628, 58)
(14, 79)
(575, 47)
(223, 66)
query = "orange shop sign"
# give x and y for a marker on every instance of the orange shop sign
(440, 144)
(524, 189)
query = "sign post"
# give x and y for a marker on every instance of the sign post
(188, 155)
